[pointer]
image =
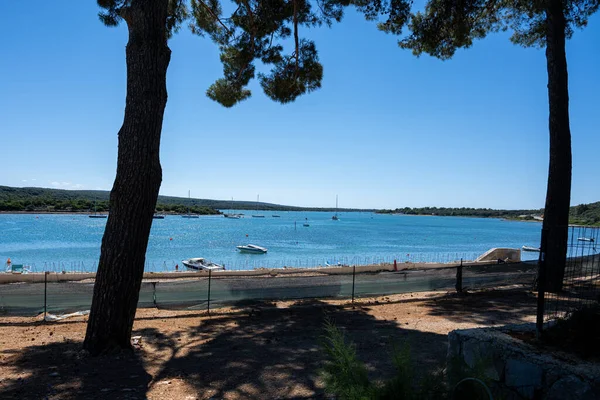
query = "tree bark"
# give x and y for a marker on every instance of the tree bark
(556, 214)
(139, 175)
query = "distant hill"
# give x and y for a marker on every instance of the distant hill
(32, 199)
(583, 214)
(59, 200)
(464, 212)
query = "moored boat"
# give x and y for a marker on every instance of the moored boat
(585, 239)
(252, 248)
(531, 248)
(199, 264)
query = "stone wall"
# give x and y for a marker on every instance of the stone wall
(515, 370)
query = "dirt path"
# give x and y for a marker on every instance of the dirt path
(266, 350)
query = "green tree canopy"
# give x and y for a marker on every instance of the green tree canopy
(445, 26)
(260, 31)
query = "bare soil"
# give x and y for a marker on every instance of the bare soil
(265, 350)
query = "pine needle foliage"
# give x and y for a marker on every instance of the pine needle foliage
(261, 31)
(346, 377)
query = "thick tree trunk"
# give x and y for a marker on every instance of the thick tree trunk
(558, 195)
(135, 190)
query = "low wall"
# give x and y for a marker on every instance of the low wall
(516, 370)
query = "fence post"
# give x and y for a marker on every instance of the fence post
(353, 278)
(45, 293)
(541, 287)
(154, 293)
(459, 287)
(208, 302)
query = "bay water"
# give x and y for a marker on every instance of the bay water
(72, 242)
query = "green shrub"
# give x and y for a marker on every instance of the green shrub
(346, 377)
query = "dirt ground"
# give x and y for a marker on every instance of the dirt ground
(266, 350)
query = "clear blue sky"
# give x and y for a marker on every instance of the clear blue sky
(386, 129)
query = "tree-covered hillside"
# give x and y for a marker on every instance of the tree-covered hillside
(583, 214)
(60, 200)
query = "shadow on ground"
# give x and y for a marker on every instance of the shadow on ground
(63, 370)
(487, 308)
(258, 351)
(265, 352)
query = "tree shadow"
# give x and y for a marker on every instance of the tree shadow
(261, 351)
(62, 370)
(487, 308)
(275, 352)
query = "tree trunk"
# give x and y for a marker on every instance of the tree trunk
(139, 174)
(556, 214)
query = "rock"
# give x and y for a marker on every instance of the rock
(523, 376)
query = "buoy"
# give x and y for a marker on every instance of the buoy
(246, 235)
(170, 238)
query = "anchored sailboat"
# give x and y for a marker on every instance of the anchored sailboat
(257, 215)
(335, 217)
(188, 215)
(95, 214)
(231, 214)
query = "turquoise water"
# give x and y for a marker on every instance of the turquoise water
(72, 242)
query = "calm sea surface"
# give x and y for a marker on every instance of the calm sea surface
(72, 242)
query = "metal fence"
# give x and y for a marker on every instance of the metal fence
(215, 290)
(581, 281)
(87, 266)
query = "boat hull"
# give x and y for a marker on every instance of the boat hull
(252, 250)
(202, 266)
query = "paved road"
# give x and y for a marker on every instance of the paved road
(28, 298)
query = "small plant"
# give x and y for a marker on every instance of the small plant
(346, 377)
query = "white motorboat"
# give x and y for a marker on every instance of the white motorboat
(585, 239)
(531, 248)
(199, 264)
(251, 248)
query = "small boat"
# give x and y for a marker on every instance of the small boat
(257, 215)
(251, 248)
(335, 217)
(158, 216)
(585, 239)
(232, 215)
(95, 214)
(531, 248)
(305, 222)
(199, 264)
(188, 215)
(276, 216)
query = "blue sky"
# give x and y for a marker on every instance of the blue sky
(386, 129)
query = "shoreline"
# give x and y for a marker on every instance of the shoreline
(38, 277)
